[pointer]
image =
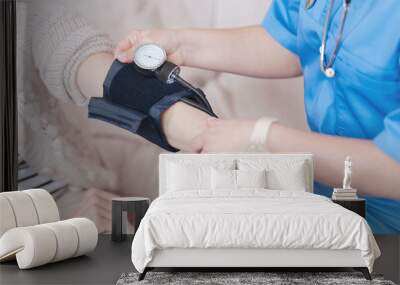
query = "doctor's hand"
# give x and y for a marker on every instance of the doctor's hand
(224, 136)
(167, 39)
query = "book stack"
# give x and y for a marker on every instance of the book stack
(344, 194)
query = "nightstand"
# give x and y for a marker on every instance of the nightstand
(357, 205)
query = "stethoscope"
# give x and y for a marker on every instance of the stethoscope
(326, 65)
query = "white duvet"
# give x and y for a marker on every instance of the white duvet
(250, 219)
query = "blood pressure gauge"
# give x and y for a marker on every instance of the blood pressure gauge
(149, 56)
(152, 59)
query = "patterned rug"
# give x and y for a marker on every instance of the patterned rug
(244, 278)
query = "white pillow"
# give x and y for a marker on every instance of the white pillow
(181, 177)
(223, 179)
(293, 179)
(251, 178)
(186, 174)
(284, 174)
(226, 179)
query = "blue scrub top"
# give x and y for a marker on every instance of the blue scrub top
(363, 99)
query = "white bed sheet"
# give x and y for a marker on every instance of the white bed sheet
(250, 218)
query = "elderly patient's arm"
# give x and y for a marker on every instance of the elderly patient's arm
(181, 123)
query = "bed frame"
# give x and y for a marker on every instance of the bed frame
(236, 259)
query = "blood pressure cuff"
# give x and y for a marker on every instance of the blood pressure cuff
(135, 101)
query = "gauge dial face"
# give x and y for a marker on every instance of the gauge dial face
(149, 56)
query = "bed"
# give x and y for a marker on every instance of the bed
(247, 211)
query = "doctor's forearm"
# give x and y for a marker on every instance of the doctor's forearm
(374, 173)
(248, 51)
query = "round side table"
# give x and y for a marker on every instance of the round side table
(127, 212)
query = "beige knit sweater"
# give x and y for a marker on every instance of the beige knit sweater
(60, 42)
